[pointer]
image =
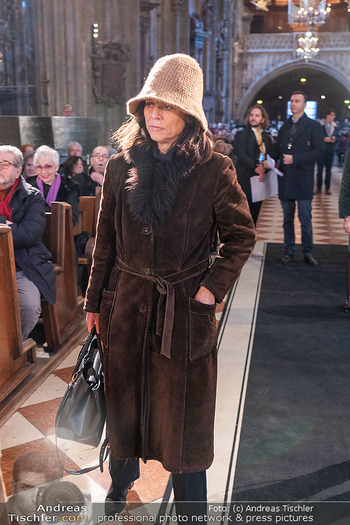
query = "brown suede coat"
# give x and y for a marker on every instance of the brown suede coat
(160, 358)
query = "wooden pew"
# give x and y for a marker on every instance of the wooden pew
(17, 356)
(87, 216)
(63, 318)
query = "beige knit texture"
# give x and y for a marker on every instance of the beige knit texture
(176, 80)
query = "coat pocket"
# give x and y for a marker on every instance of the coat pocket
(106, 309)
(202, 330)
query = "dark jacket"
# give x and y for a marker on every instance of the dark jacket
(31, 255)
(306, 145)
(69, 191)
(330, 146)
(87, 185)
(149, 261)
(247, 153)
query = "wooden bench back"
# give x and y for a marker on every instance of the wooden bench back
(61, 319)
(10, 322)
(13, 351)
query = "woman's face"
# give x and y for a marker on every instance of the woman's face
(164, 123)
(30, 170)
(46, 169)
(78, 167)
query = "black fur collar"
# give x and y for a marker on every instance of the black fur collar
(152, 184)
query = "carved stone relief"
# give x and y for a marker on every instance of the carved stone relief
(108, 65)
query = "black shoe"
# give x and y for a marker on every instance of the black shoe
(116, 504)
(112, 508)
(287, 258)
(310, 260)
(328, 192)
(317, 191)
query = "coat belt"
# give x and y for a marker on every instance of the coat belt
(165, 317)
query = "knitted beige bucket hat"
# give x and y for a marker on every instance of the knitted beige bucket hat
(176, 80)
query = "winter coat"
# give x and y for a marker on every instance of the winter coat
(154, 233)
(87, 185)
(247, 152)
(306, 146)
(31, 255)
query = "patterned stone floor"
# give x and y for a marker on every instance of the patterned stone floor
(327, 227)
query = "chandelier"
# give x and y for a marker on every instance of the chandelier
(308, 14)
(313, 12)
(307, 46)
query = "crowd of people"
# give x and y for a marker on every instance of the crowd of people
(226, 132)
(30, 180)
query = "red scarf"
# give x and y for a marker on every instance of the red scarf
(5, 204)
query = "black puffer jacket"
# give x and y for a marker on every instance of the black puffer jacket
(31, 255)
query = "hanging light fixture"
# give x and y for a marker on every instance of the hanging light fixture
(307, 46)
(309, 13)
(312, 12)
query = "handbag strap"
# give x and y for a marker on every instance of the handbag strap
(103, 455)
(105, 447)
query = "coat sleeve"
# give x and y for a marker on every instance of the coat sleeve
(105, 244)
(241, 151)
(344, 195)
(317, 146)
(31, 228)
(236, 230)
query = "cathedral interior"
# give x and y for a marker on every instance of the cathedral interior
(282, 431)
(95, 55)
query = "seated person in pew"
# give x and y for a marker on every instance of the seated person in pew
(22, 207)
(73, 166)
(53, 186)
(89, 182)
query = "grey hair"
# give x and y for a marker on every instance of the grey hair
(45, 150)
(70, 144)
(17, 154)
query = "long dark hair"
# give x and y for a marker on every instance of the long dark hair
(69, 164)
(193, 141)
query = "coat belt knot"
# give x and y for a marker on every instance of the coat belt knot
(165, 315)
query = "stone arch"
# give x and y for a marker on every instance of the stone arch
(254, 89)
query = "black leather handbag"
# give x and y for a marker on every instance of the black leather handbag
(82, 412)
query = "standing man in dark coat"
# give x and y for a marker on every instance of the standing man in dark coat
(300, 143)
(22, 207)
(252, 144)
(330, 133)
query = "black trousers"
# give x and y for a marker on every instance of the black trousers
(189, 487)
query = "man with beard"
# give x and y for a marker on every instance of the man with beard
(88, 182)
(252, 144)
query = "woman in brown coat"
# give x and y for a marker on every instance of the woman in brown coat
(153, 291)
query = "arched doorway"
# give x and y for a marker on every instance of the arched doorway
(274, 89)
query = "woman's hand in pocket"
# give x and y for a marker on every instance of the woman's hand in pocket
(93, 319)
(204, 296)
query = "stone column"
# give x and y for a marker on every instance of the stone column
(176, 12)
(145, 24)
